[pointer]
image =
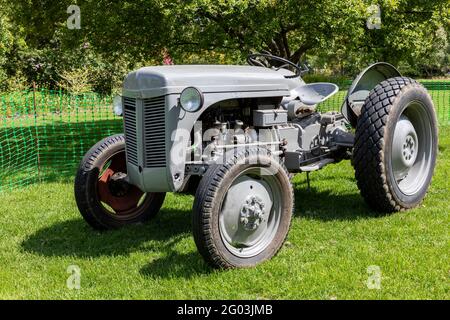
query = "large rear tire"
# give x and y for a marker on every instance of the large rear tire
(242, 210)
(396, 145)
(104, 198)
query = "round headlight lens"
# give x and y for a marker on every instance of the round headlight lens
(117, 105)
(191, 99)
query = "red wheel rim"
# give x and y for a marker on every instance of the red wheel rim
(122, 205)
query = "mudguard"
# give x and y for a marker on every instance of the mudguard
(361, 87)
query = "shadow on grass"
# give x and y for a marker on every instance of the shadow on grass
(328, 205)
(76, 238)
(176, 265)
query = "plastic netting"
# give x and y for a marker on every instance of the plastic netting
(439, 91)
(44, 133)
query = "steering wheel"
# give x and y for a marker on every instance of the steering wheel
(254, 59)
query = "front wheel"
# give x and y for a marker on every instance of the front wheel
(396, 145)
(242, 210)
(104, 197)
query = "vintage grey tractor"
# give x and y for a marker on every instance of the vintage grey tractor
(235, 136)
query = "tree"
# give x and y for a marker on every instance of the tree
(412, 32)
(286, 28)
(117, 36)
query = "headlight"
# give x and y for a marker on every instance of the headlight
(117, 105)
(191, 99)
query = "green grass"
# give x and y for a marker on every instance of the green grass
(334, 238)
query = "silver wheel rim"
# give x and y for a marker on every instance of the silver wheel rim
(251, 212)
(412, 149)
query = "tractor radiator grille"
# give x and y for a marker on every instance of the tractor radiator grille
(154, 132)
(130, 129)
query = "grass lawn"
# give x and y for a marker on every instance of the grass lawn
(333, 240)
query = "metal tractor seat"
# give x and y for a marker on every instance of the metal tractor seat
(315, 93)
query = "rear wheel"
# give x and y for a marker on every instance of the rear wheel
(396, 145)
(242, 210)
(104, 197)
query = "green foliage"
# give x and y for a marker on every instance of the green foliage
(286, 28)
(413, 33)
(118, 36)
(76, 81)
(341, 81)
(5, 43)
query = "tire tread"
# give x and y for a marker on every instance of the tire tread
(203, 206)
(368, 155)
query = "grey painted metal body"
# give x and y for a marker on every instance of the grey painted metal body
(362, 85)
(217, 83)
(210, 79)
(306, 139)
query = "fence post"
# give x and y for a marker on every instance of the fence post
(36, 132)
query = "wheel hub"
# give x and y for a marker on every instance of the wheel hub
(252, 213)
(409, 152)
(405, 147)
(114, 190)
(117, 184)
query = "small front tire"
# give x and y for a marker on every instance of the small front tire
(104, 198)
(242, 210)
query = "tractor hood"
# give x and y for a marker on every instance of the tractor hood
(161, 80)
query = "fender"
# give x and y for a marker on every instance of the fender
(361, 87)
